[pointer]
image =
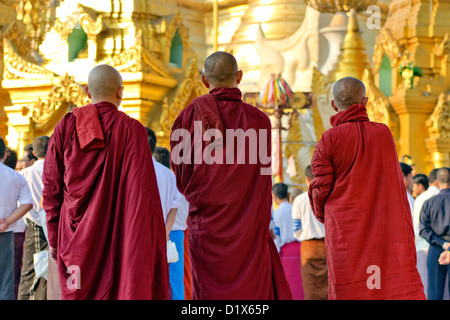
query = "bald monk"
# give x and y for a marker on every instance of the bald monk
(359, 194)
(232, 253)
(104, 216)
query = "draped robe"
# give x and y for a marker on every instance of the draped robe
(103, 209)
(233, 255)
(359, 194)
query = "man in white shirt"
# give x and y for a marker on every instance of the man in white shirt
(421, 244)
(31, 288)
(13, 189)
(172, 205)
(407, 179)
(287, 245)
(311, 233)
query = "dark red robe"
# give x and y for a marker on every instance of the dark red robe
(358, 192)
(233, 255)
(103, 208)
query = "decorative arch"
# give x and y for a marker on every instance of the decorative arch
(175, 29)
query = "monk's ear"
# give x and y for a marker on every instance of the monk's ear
(333, 104)
(239, 76)
(86, 89)
(364, 101)
(205, 81)
(120, 93)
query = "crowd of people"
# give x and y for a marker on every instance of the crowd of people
(79, 219)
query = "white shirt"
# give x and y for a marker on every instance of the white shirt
(421, 243)
(13, 189)
(167, 187)
(182, 214)
(33, 175)
(411, 202)
(282, 218)
(304, 222)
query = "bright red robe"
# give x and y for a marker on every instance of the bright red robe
(358, 192)
(103, 208)
(233, 255)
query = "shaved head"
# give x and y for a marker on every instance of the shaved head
(104, 81)
(443, 176)
(347, 92)
(220, 68)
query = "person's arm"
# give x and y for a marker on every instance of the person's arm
(426, 231)
(16, 215)
(296, 221)
(170, 221)
(53, 180)
(26, 204)
(322, 184)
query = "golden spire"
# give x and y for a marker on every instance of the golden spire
(353, 59)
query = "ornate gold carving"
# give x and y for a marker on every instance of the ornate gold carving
(292, 149)
(15, 67)
(442, 48)
(379, 108)
(138, 59)
(16, 33)
(439, 121)
(90, 23)
(385, 43)
(190, 87)
(66, 91)
(318, 86)
(340, 5)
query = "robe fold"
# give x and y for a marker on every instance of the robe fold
(233, 255)
(359, 194)
(103, 209)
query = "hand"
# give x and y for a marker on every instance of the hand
(446, 246)
(52, 253)
(3, 225)
(444, 258)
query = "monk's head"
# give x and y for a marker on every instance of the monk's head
(221, 70)
(105, 84)
(347, 92)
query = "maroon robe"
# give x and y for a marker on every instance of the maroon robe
(103, 208)
(233, 255)
(359, 194)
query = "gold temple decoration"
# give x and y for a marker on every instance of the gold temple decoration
(66, 94)
(148, 43)
(438, 124)
(185, 93)
(439, 121)
(340, 5)
(353, 59)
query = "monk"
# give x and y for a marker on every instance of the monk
(104, 216)
(232, 253)
(359, 194)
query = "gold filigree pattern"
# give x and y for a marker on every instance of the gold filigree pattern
(138, 59)
(66, 91)
(15, 67)
(191, 86)
(82, 18)
(379, 108)
(385, 43)
(439, 121)
(16, 33)
(339, 5)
